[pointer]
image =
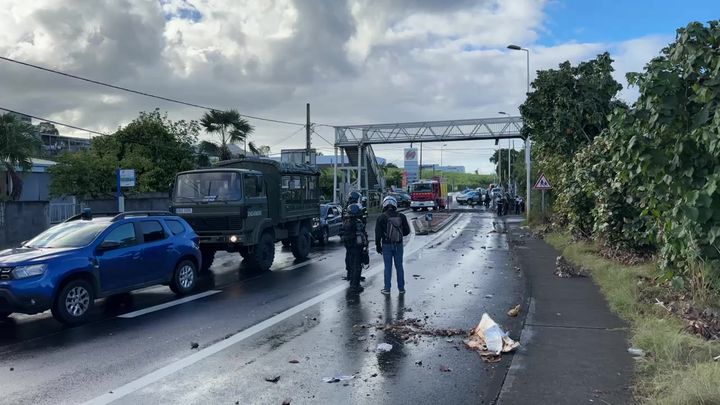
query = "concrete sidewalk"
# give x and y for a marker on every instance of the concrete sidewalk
(573, 348)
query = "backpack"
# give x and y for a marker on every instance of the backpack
(393, 233)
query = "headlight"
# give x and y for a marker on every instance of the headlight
(29, 271)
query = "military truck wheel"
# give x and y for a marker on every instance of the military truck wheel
(302, 243)
(208, 255)
(263, 255)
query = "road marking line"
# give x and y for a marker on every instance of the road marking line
(183, 300)
(295, 266)
(178, 365)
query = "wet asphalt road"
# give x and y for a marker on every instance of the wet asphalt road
(256, 324)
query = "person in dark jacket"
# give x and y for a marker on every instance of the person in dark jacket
(355, 239)
(390, 228)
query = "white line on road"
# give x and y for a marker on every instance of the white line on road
(189, 298)
(178, 365)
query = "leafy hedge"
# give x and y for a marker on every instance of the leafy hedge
(647, 176)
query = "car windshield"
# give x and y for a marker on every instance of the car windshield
(324, 210)
(68, 235)
(422, 187)
(208, 187)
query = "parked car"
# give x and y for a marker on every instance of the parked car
(402, 199)
(462, 198)
(327, 224)
(68, 266)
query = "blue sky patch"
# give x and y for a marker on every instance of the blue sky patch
(616, 20)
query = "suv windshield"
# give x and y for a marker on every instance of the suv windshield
(208, 187)
(69, 235)
(422, 187)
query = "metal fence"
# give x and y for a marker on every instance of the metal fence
(60, 211)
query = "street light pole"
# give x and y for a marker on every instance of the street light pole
(527, 140)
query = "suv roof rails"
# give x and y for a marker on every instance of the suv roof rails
(127, 214)
(88, 215)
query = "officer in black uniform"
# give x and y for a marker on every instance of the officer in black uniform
(353, 198)
(355, 239)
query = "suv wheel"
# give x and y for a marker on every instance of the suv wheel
(73, 304)
(263, 255)
(301, 243)
(185, 278)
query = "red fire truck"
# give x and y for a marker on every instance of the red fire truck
(426, 194)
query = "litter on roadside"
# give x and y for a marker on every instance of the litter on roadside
(716, 358)
(273, 379)
(636, 352)
(489, 340)
(445, 369)
(513, 312)
(384, 347)
(338, 378)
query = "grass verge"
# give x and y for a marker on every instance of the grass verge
(679, 368)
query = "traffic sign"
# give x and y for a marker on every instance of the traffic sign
(542, 183)
(127, 177)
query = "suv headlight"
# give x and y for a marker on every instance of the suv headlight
(29, 271)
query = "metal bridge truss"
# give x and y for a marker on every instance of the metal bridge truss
(356, 142)
(430, 131)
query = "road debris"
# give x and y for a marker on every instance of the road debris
(716, 358)
(418, 363)
(362, 338)
(194, 345)
(489, 340)
(565, 269)
(287, 401)
(293, 361)
(489, 296)
(338, 378)
(635, 352)
(384, 347)
(273, 379)
(513, 312)
(445, 369)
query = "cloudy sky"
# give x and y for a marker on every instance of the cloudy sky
(355, 61)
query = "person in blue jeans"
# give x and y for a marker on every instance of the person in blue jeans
(390, 228)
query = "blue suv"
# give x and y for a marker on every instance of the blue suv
(68, 266)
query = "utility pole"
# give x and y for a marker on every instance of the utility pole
(420, 160)
(509, 157)
(307, 133)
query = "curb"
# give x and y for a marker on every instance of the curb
(421, 230)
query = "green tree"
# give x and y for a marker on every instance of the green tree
(154, 146)
(17, 146)
(501, 169)
(667, 146)
(568, 108)
(229, 125)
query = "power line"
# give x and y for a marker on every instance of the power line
(291, 135)
(55, 122)
(142, 93)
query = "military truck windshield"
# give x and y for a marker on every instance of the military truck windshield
(208, 187)
(421, 187)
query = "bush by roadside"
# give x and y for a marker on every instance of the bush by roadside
(679, 367)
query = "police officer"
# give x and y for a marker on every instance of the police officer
(355, 239)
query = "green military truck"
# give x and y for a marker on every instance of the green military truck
(247, 205)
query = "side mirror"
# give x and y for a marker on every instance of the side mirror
(108, 245)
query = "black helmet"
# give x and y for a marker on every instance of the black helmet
(354, 210)
(353, 197)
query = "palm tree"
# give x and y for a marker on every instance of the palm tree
(231, 127)
(17, 146)
(262, 150)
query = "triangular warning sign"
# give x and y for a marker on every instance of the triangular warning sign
(542, 183)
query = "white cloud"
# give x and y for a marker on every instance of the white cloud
(355, 61)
